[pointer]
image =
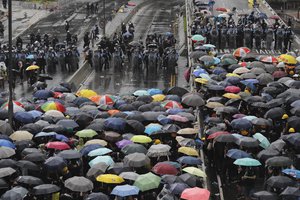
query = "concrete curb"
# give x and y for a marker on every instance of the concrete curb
(85, 70)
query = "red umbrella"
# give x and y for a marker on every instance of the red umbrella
(243, 64)
(212, 136)
(187, 74)
(279, 74)
(57, 145)
(195, 194)
(269, 59)
(164, 168)
(233, 89)
(274, 17)
(221, 9)
(131, 4)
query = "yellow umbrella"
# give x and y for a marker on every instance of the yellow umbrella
(214, 105)
(188, 151)
(110, 178)
(32, 67)
(232, 74)
(96, 141)
(188, 131)
(194, 171)
(21, 135)
(158, 97)
(201, 80)
(86, 93)
(141, 139)
(288, 59)
(231, 96)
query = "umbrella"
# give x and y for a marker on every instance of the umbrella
(116, 124)
(16, 193)
(86, 93)
(177, 91)
(265, 78)
(195, 193)
(279, 161)
(274, 113)
(214, 135)
(30, 180)
(164, 168)
(21, 135)
(125, 190)
(197, 54)
(264, 142)
(193, 99)
(247, 142)
(6, 152)
(43, 94)
(32, 67)
(188, 131)
(280, 182)
(237, 154)
(36, 157)
(6, 143)
(177, 188)
(291, 192)
(45, 189)
(136, 160)
(122, 143)
(69, 154)
(24, 117)
(86, 133)
(79, 184)
(288, 59)
(141, 139)
(58, 145)
(248, 162)
(265, 195)
(129, 175)
(292, 172)
(6, 171)
(194, 171)
(8, 163)
(5, 128)
(25, 164)
(241, 52)
(96, 170)
(68, 123)
(198, 38)
(97, 196)
(189, 160)
(225, 138)
(99, 152)
(147, 182)
(152, 127)
(110, 178)
(159, 150)
(53, 105)
(188, 151)
(221, 9)
(134, 148)
(106, 159)
(55, 163)
(241, 124)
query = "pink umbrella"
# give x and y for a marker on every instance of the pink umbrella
(178, 118)
(195, 193)
(233, 89)
(187, 74)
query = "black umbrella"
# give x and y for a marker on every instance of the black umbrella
(264, 195)
(60, 89)
(294, 122)
(98, 127)
(172, 128)
(216, 87)
(16, 193)
(136, 126)
(225, 138)
(27, 151)
(97, 196)
(259, 105)
(55, 163)
(193, 99)
(83, 119)
(112, 136)
(227, 110)
(252, 99)
(291, 192)
(241, 124)
(79, 184)
(247, 142)
(277, 145)
(80, 100)
(279, 161)
(118, 168)
(6, 171)
(295, 111)
(5, 128)
(189, 179)
(275, 113)
(96, 170)
(197, 54)
(267, 153)
(55, 128)
(21, 145)
(275, 103)
(151, 116)
(8, 163)
(145, 98)
(177, 91)
(29, 180)
(280, 182)
(262, 122)
(68, 123)
(45, 189)
(36, 157)
(32, 128)
(126, 107)
(69, 154)
(134, 148)
(3, 184)
(171, 179)
(25, 164)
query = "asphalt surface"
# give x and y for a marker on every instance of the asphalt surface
(156, 17)
(54, 25)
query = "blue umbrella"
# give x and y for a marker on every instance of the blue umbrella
(216, 60)
(154, 91)
(241, 124)
(45, 134)
(151, 128)
(105, 159)
(177, 188)
(88, 148)
(117, 124)
(233, 80)
(30, 57)
(263, 16)
(35, 114)
(43, 94)
(292, 172)
(125, 190)
(6, 143)
(61, 138)
(99, 152)
(199, 71)
(237, 154)
(219, 70)
(119, 103)
(189, 160)
(174, 111)
(24, 117)
(164, 120)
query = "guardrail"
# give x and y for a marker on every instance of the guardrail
(78, 78)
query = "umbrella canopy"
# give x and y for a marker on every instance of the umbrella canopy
(86, 133)
(53, 105)
(129, 175)
(159, 150)
(265, 195)
(263, 141)
(55, 163)
(141, 139)
(105, 159)
(147, 182)
(58, 145)
(110, 178)
(164, 168)
(248, 162)
(125, 190)
(291, 192)
(30, 180)
(99, 152)
(193, 100)
(21, 135)
(79, 184)
(6, 152)
(45, 189)
(188, 151)
(16, 193)
(279, 161)
(86, 93)
(280, 182)
(136, 160)
(134, 148)
(6, 171)
(194, 171)
(97, 196)
(69, 154)
(292, 172)
(178, 188)
(195, 194)
(96, 170)
(189, 160)
(237, 154)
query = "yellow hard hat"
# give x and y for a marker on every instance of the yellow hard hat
(285, 116)
(157, 141)
(292, 130)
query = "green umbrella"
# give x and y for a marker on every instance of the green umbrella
(147, 182)
(248, 162)
(86, 133)
(198, 38)
(263, 141)
(228, 61)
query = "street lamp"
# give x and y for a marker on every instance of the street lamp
(10, 76)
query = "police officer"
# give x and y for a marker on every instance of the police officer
(232, 31)
(280, 37)
(269, 38)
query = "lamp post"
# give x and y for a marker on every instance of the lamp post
(10, 77)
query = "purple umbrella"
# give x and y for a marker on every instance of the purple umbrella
(123, 143)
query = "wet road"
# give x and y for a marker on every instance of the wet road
(54, 25)
(156, 17)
